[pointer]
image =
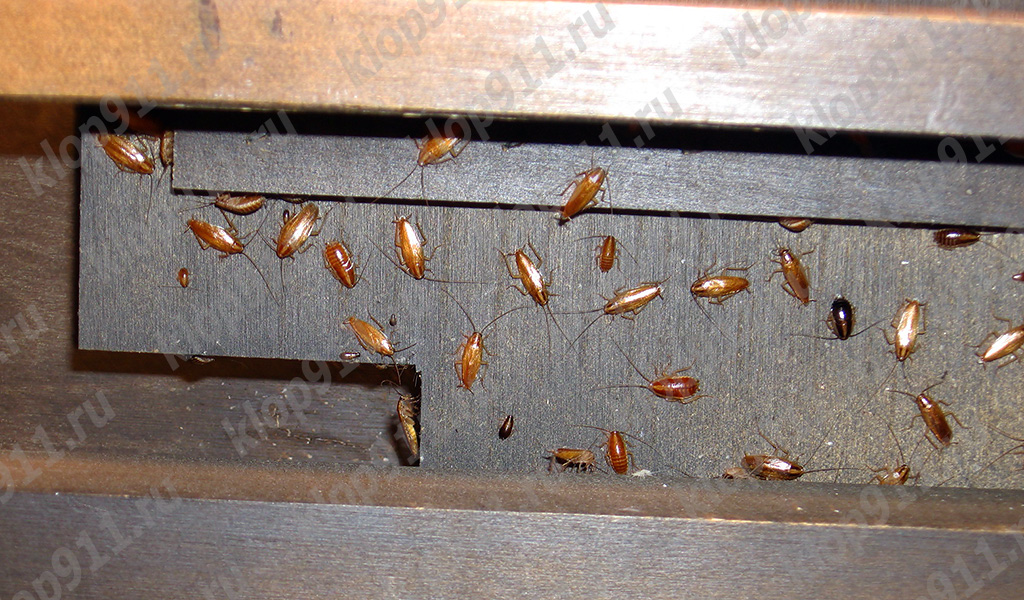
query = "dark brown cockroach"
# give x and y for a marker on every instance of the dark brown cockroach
(371, 338)
(796, 284)
(1003, 345)
(795, 224)
(296, 231)
(183, 277)
(584, 195)
(507, 427)
(534, 284)
(470, 355)
(407, 418)
(125, 154)
(933, 415)
(393, 320)
(840, 321)
(240, 204)
(167, 148)
(672, 387)
(339, 262)
(1018, 277)
(580, 459)
(225, 241)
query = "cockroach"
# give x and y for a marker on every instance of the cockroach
(507, 427)
(183, 277)
(578, 458)
(626, 300)
(407, 418)
(607, 252)
(907, 325)
(951, 239)
(225, 241)
(339, 262)
(1005, 344)
(409, 246)
(433, 150)
(528, 273)
(470, 355)
(933, 416)
(775, 468)
(671, 387)
(617, 454)
(840, 321)
(240, 204)
(371, 338)
(795, 224)
(718, 289)
(126, 155)
(296, 231)
(349, 356)
(167, 148)
(393, 320)
(894, 476)
(584, 195)
(796, 284)
(1018, 277)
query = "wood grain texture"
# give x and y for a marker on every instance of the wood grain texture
(822, 400)
(921, 67)
(530, 176)
(186, 548)
(160, 407)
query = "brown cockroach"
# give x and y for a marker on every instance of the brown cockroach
(409, 245)
(127, 156)
(371, 338)
(607, 251)
(894, 476)
(433, 151)
(296, 231)
(225, 241)
(348, 356)
(580, 459)
(908, 326)
(616, 453)
(167, 148)
(183, 277)
(470, 355)
(240, 204)
(407, 418)
(933, 415)
(795, 224)
(528, 273)
(340, 263)
(584, 195)
(774, 468)
(672, 387)
(1018, 277)
(796, 284)
(507, 427)
(1003, 345)
(718, 289)
(959, 237)
(626, 300)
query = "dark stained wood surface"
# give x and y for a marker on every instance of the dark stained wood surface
(822, 400)
(409, 533)
(921, 67)
(161, 406)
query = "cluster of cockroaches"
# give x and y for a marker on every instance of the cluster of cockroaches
(588, 188)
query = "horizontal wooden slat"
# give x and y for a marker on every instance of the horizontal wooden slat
(667, 180)
(902, 67)
(411, 535)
